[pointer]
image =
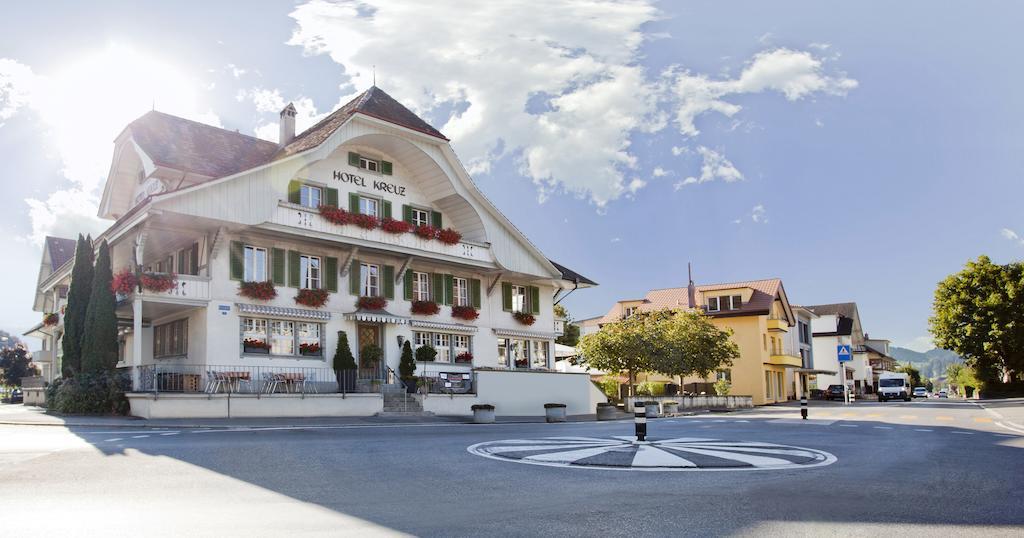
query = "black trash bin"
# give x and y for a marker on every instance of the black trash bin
(671, 389)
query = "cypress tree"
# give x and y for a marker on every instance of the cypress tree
(78, 302)
(99, 340)
(407, 366)
(344, 363)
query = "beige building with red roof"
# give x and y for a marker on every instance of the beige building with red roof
(759, 315)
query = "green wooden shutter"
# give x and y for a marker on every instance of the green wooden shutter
(474, 292)
(237, 256)
(332, 197)
(449, 289)
(194, 269)
(331, 273)
(407, 293)
(437, 287)
(385, 209)
(435, 219)
(389, 281)
(506, 296)
(293, 269)
(353, 159)
(407, 213)
(385, 168)
(181, 269)
(278, 262)
(353, 277)
(353, 202)
(293, 191)
(534, 299)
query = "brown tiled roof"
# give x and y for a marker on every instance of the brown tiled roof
(198, 148)
(373, 102)
(61, 251)
(765, 292)
(847, 310)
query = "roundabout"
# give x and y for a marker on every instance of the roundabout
(676, 454)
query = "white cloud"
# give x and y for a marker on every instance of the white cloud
(16, 83)
(236, 71)
(921, 343)
(271, 102)
(758, 215)
(616, 239)
(1012, 236)
(714, 167)
(795, 74)
(679, 150)
(660, 172)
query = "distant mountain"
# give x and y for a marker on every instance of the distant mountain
(931, 363)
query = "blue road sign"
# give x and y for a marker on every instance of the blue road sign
(845, 355)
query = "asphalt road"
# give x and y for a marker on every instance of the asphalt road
(948, 467)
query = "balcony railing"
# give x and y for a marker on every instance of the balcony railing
(297, 216)
(244, 379)
(187, 287)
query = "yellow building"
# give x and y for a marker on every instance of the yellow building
(759, 315)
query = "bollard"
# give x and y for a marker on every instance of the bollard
(640, 421)
(803, 407)
(853, 396)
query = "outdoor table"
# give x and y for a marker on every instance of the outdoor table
(290, 379)
(234, 379)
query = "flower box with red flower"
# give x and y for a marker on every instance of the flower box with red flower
(467, 313)
(366, 222)
(312, 298)
(254, 345)
(426, 231)
(524, 318)
(449, 236)
(260, 291)
(393, 226)
(464, 357)
(425, 308)
(335, 215)
(309, 349)
(50, 319)
(123, 283)
(158, 282)
(371, 303)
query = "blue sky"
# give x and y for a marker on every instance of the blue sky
(860, 152)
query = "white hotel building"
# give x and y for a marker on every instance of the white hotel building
(218, 208)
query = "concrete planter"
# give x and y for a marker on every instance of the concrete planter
(670, 408)
(607, 412)
(483, 414)
(651, 409)
(554, 412)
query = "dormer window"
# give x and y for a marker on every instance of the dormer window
(368, 164)
(310, 196)
(714, 304)
(735, 302)
(371, 165)
(630, 310)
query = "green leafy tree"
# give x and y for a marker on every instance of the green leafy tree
(99, 341)
(912, 372)
(693, 346)
(571, 335)
(343, 362)
(979, 314)
(15, 364)
(407, 365)
(722, 387)
(624, 346)
(78, 302)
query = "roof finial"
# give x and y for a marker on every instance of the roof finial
(374, 67)
(691, 290)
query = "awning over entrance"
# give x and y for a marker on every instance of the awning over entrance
(525, 334)
(280, 311)
(376, 316)
(454, 327)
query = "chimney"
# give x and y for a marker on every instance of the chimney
(287, 125)
(691, 290)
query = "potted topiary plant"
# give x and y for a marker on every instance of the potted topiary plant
(554, 412)
(407, 368)
(370, 355)
(426, 353)
(483, 413)
(344, 365)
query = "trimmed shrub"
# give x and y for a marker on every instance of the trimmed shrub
(98, 393)
(426, 354)
(722, 387)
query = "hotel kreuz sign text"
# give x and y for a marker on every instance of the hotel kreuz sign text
(376, 184)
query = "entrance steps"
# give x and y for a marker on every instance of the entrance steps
(398, 403)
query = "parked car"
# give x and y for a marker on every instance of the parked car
(943, 393)
(17, 396)
(834, 392)
(920, 392)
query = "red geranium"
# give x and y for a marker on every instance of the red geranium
(124, 282)
(50, 319)
(524, 318)
(465, 356)
(366, 222)
(310, 349)
(311, 298)
(335, 214)
(426, 231)
(449, 236)
(254, 343)
(395, 226)
(261, 291)
(467, 313)
(371, 303)
(426, 308)
(158, 282)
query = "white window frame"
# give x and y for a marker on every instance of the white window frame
(520, 291)
(460, 284)
(274, 339)
(365, 204)
(503, 356)
(717, 301)
(369, 164)
(254, 271)
(542, 346)
(306, 195)
(723, 374)
(310, 274)
(263, 329)
(443, 345)
(732, 302)
(420, 217)
(420, 286)
(630, 310)
(369, 280)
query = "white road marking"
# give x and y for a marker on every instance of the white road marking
(922, 430)
(139, 436)
(882, 427)
(170, 433)
(749, 459)
(964, 433)
(568, 456)
(112, 439)
(850, 425)
(649, 456)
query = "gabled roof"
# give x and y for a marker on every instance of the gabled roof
(198, 148)
(572, 276)
(848, 310)
(373, 102)
(764, 293)
(61, 250)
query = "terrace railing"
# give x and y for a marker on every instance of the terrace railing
(246, 379)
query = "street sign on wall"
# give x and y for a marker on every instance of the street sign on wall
(844, 352)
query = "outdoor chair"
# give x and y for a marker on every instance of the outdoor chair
(213, 382)
(270, 383)
(309, 383)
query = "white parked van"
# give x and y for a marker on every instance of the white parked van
(893, 385)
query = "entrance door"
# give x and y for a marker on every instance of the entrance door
(367, 334)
